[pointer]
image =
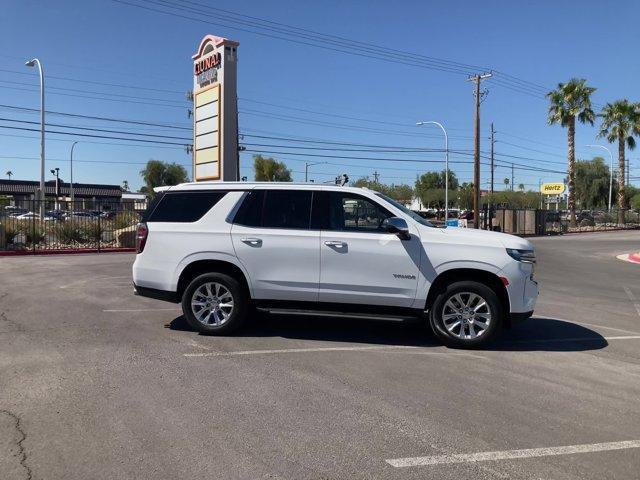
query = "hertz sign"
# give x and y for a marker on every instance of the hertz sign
(552, 188)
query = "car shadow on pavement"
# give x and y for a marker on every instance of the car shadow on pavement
(534, 334)
(549, 335)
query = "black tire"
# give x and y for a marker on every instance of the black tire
(237, 315)
(452, 337)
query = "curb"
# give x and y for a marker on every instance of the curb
(70, 251)
(630, 257)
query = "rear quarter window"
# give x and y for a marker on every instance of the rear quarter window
(184, 207)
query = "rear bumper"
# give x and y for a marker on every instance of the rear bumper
(156, 294)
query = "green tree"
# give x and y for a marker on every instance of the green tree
(514, 199)
(157, 173)
(621, 123)
(267, 169)
(521, 187)
(465, 196)
(592, 183)
(430, 188)
(569, 101)
(401, 192)
(506, 183)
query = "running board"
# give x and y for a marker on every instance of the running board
(323, 313)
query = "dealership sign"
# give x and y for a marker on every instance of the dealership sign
(552, 188)
(215, 110)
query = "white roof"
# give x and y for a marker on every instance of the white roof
(262, 185)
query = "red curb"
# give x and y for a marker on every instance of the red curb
(634, 257)
(15, 253)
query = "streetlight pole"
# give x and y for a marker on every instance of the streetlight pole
(610, 171)
(446, 167)
(306, 169)
(32, 63)
(56, 172)
(71, 174)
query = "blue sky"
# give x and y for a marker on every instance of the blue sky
(104, 41)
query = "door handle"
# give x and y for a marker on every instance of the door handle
(335, 243)
(251, 240)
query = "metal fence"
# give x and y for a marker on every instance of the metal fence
(528, 222)
(36, 226)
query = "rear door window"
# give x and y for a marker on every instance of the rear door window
(184, 207)
(290, 209)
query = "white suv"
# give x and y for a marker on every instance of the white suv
(222, 249)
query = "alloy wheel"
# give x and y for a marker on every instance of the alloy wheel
(466, 315)
(212, 304)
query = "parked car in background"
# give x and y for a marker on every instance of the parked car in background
(222, 249)
(11, 211)
(33, 216)
(466, 215)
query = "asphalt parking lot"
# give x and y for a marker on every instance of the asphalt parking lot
(96, 383)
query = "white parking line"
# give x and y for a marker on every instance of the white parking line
(632, 297)
(607, 328)
(587, 324)
(511, 454)
(321, 349)
(144, 310)
(577, 339)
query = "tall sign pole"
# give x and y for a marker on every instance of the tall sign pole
(476, 156)
(215, 110)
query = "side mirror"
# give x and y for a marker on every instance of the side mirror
(397, 226)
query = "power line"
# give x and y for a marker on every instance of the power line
(95, 129)
(318, 40)
(91, 117)
(89, 135)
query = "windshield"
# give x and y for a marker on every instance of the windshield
(405, 210)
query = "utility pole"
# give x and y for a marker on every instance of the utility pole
(493, 141)
(56, 172)
(476, 157)
(512, 179)
(540, 191)
(492, 146)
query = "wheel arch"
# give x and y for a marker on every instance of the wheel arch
(208, 265)
(485, 277)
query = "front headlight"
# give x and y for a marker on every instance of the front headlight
(525, 256)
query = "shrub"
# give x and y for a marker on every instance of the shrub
(92, 231)
(587, 222)
(125, 219)
(68, 232)
(9, 230)
(33, 231)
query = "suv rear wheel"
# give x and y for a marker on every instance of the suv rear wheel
(215, 303)
(466, 314)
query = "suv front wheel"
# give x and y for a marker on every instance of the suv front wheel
(466, 314)
(214, 303)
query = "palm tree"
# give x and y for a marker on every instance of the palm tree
(506, 184)
(521, 187)
(621, 122)
(9, 174)
(569, 101)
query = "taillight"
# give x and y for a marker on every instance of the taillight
(142, 232)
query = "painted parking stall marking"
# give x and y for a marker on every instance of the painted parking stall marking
(633, 299)
(511, 454)
(325, 349)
